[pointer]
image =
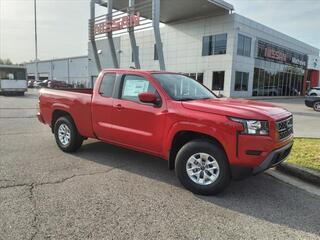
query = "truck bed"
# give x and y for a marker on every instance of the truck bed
(78, 90)
(77, 102)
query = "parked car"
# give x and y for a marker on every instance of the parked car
(58, 84)
(36, 84)
(266, 91)
(314, 91)
(287, 90)
(41, 83)
(207, 140)
(31, 83)
(313, 102)
(44, 83)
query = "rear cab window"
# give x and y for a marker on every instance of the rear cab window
(107, 85)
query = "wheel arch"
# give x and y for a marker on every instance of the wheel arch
(182, 137)
(56, 114)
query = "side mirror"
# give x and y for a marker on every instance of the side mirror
(148, 97)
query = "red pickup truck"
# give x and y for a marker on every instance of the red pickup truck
(206, 139)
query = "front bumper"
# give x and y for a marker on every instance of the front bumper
(274, 158)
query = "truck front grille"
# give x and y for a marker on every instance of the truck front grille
(285, 128)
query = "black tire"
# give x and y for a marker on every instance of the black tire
(313, 94)
(208, 147)
(76, 139)
(316, 106)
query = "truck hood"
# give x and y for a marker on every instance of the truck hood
(241, 108)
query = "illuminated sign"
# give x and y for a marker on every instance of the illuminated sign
(274, 54)
(116, 24)
(298, 61)
(281, 54)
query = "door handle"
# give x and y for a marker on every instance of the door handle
(119, 106)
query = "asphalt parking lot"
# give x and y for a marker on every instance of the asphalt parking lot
(106, 192)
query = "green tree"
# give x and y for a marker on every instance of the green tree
(6, 61)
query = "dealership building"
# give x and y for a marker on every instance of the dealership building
(227, 52)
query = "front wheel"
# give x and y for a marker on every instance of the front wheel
(202, 167)
(316, 106)
(66, 134)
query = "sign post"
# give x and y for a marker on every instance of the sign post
(109, 34)
(156, 29)
(134, 47)
(92, 35)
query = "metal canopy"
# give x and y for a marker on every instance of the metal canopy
(176, 10)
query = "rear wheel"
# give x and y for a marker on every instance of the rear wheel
(313, 94)
(66, 134)
(316, 106)
(202, 167)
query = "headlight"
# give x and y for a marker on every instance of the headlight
(253, 127)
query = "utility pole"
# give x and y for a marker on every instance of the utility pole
(36, 41)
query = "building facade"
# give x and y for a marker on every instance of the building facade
(230, 54)
(73, 70)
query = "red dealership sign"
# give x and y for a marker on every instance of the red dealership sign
(275, 54)
(281, 54)
(116, 24)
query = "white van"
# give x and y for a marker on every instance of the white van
(13, 79)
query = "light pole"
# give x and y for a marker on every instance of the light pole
(36, 40)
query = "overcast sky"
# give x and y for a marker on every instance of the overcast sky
(63, 24)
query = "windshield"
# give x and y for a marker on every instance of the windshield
(182, 88)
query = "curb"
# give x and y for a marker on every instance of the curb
(299, 172)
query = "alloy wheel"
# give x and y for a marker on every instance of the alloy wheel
(202, 168)
(64, 134)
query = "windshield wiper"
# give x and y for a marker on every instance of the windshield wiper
(186, 99)
(205, 98)
(190, 99)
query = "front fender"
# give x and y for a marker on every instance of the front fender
(205, 129)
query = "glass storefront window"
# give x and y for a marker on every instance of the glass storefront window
(218, 80)
(244, 45)
(214, 45)
(220, 44)
(241, 81)
(196, 76)
(275, 79)
(200, 78)
(207, 45)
